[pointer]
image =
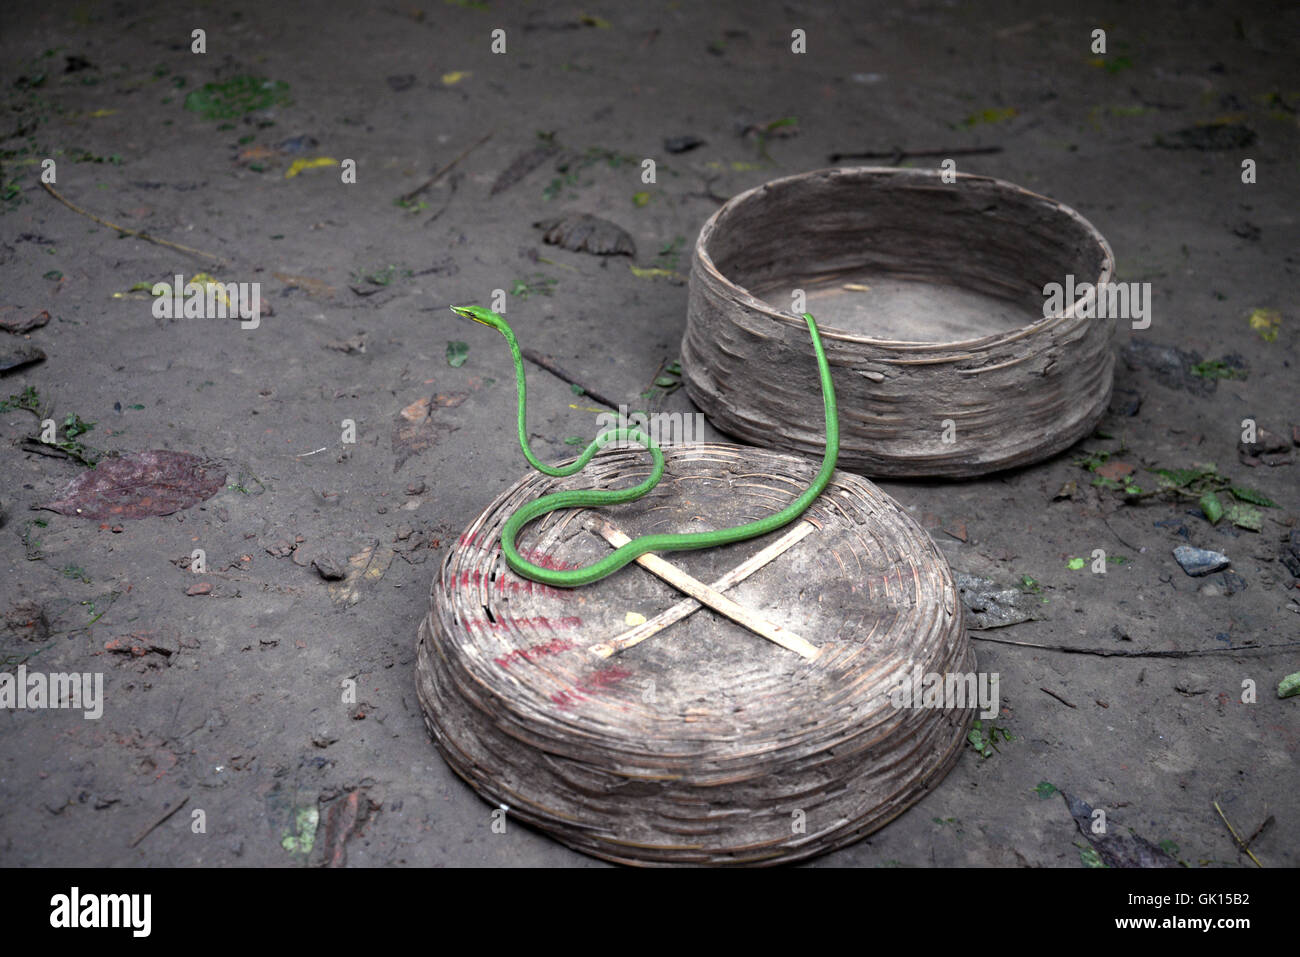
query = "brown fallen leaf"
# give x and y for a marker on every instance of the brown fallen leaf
(19, 326)
(367, 565)
(316, 288)
(415, 431)
(140, 643)
(344, 819)
(1115, 848)
(254, 153)
(140, 484)
(1115, 471)
(583, 233)
(417, 411)
(1069, 490)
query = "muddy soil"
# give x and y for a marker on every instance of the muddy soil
(230, 696)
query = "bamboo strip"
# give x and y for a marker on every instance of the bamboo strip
(651, 627)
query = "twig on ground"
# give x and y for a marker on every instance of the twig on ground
(1124, 653)
(1058, 698)
(1117, 535)
(160, 821)
(1268, 822)
(138, 234)
(898, 154)
(444, 171)
(549, 364)
(1240, 843)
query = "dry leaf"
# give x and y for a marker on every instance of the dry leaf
(140, 484)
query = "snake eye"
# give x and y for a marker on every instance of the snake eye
(475, 313)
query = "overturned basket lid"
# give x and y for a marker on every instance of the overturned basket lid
(949, 358)
(632, 726)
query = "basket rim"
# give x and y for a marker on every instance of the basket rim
(744, 297)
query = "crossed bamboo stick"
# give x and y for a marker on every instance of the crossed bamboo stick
(711, 595)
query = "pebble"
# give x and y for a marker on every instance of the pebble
(328, 568)
(1200, 561)
(1192, 683)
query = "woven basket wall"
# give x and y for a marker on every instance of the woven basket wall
(704, 743)
(1014, 396)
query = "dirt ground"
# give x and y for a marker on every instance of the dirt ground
(229, 700)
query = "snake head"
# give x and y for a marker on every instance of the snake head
(480, 315)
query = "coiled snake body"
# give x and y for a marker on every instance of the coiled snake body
(624, 554)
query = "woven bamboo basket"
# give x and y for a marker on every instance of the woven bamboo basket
(930, 300)
(702, 743)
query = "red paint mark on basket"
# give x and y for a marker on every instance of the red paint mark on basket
(529, 554)
(543, 560)
(476, 579)
(553, 647)
(593, 684)
(540, 621)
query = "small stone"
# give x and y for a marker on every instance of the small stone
(1200, 561)
(280, 549)
(20, 326)
(416, 488)
(1292, 562)
(1265, 442)
(404, 532)
(682, 144)
(328, 568)
(1192, 684)
(356, 345)
(1290, 553)
(202, 588)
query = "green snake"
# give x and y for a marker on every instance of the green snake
(624, 554)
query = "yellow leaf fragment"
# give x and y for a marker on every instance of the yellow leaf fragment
(301, 164)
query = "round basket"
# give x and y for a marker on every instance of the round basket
(930, 298)
(703, 743)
